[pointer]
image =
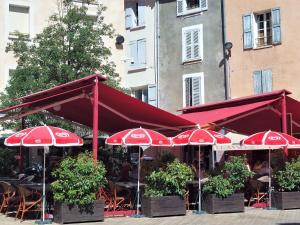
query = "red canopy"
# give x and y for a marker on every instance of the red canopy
(117, 111)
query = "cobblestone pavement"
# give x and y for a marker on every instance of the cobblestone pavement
(249, 217)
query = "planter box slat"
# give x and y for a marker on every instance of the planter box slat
(65, 214)
(163, 206)
(286, 200)
(233, 203)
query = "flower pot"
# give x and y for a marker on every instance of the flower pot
(286, 200)
(64, 213)
(234, 203)
(163, 206)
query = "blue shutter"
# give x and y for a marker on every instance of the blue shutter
(247, 26)
(276, 29)
(179, 7)
(267, 84)
(141, 52)
(141, 12)
(133, 54)
(257, 82)
(152, 95)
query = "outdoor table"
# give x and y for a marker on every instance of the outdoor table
(127, 185)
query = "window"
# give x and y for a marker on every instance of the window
(135, 13)
(193, 89)
(262, 81)
(190, 6)
(262, 29)
(137, 54)
(146, 94)
(18, 20)
(192, 43)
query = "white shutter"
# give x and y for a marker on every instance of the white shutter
(18, 19)
(141, 52)
(203, 4)
(133, 54)
(180, 7)
(196, 92)
(188, 91)
(141, 12)
(187, 45)
(128, 18)
(196, 49)
(152, 95)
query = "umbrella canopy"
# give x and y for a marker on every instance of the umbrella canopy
(271, 139)
(44, 136)
(138, 137)
(200, 137)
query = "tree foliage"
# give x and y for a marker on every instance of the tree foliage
(78, 180)
(70, 47)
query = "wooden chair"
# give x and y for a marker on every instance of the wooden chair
(8, 194)
(29, 202)
(107, 198)
(118, 201)
(259, 194)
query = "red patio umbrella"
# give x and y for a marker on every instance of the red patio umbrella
(271, 140)
(138, 137)
(43, 136)
(200, 137)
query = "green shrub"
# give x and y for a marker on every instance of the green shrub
(233, 178)
(78, 180)
(171, 180)
(218, 185)
(288, 179)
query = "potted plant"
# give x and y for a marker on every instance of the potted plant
(287, 193)
(74, 191)
(164, 193)
(223, 192)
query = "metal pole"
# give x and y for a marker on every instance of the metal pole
(138, 186)
(199, 182)
(44, 186)
(95, 120)
(283, 120)
(270, 186)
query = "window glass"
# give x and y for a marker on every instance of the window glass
(18, 19)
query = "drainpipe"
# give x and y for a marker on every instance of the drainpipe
(156, 41)
(224, 39)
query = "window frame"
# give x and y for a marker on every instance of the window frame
(265, 28)
(191, 75)
(137, 65)
(200, 44)
(135, 12)
(186, 11)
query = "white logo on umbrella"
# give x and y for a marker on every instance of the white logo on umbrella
(274, 138)
(218, 136)
(62, 134)
(38, 141)
(137, 135)
(21, 134)
(183, 136)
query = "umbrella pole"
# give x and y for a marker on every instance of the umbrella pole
(44, 186)
(199, 181)
(138, 186)
(270, 186)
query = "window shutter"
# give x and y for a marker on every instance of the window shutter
(276, 30)
(152, 95)
(128, 17)
(141, 52)
(203, 4)
(187, 45)
(196, 90)
(247, 26)
(19, 19)
(257, 82)
(179, 7)
(267, 84)
(188, 91)
(133, 53)
(141, 12)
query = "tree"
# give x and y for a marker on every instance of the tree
(70, 47)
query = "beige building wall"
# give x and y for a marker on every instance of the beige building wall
(40, 10)
(283, 59)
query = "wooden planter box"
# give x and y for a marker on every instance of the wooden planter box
(64, 213)
(286, 200)
(233, 203)
(163, 206)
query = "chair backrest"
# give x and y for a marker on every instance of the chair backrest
(28, 178)
(23, 192)
(7, 187)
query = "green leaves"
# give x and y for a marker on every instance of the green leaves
(232, 179)
(171, 180)
(78, 180)
(288, 179)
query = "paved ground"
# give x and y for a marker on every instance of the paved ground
(250, 217)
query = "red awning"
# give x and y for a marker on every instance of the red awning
(248, 115)
(117, 111)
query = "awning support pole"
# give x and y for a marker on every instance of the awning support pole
(95, 120)
(21, 150)
(283, 119)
